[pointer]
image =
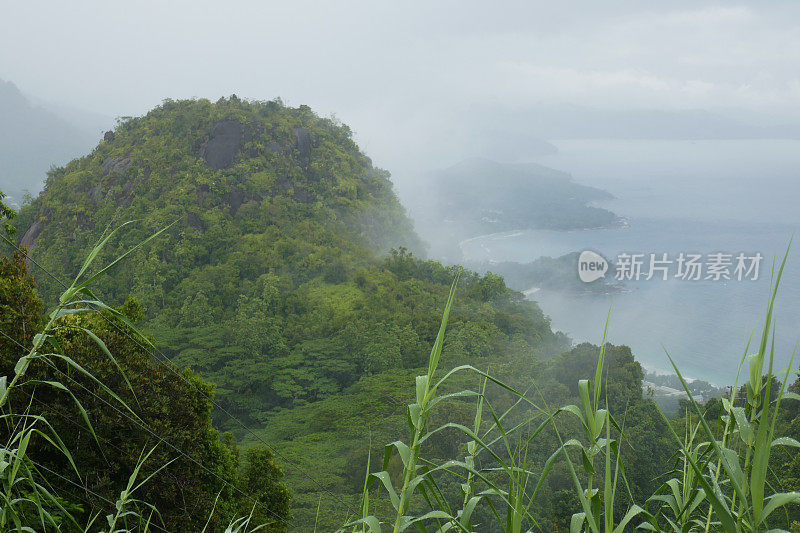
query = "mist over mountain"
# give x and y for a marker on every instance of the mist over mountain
(274, 281)
(581, 122)
(34, 138)
(90, 122)
(480, 196)
(443, 267)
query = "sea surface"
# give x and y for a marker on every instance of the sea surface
(677, 196)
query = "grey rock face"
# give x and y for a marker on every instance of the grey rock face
(96, 194)
(29, 238)
(235, 199)
(225, 142)
(276, 147)
(115, 164)
(303, 143)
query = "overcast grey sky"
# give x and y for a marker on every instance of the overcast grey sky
(383, 66)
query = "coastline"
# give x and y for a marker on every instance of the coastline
(619, 222)
(507, 233)
(529, 292)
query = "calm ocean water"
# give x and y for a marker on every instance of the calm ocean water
(678, 196)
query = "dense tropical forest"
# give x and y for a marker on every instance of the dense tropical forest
(274, 324)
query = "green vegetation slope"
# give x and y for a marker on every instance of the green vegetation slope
(285, 280)
(274, 282)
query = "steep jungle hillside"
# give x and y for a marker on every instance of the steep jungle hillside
(286, 276)
(271, 282)
(199, 475)
(285, 280)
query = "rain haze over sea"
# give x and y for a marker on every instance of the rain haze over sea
(677, 196)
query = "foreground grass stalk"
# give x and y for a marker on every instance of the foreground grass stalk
(722, 479)
(22, 365)
(744, 505)
(410, 469)
(28, 503)
(468, 487)
(728, 426)
(418, 413)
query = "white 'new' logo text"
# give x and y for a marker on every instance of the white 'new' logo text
(591, 266)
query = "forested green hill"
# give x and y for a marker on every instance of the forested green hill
(275, 281)
(285, 279)
(272, 281)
